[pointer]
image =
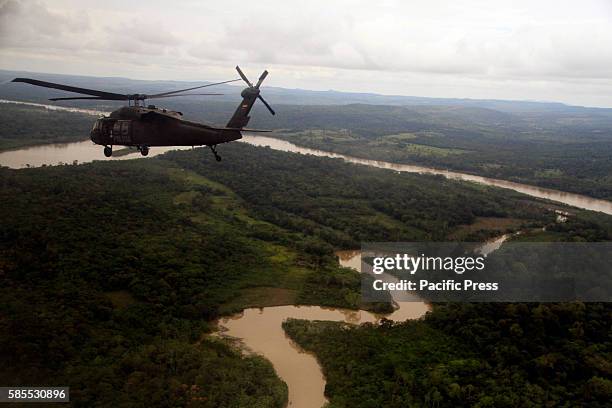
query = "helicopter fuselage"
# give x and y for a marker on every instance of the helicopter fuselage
(150, 126)
(143, 127)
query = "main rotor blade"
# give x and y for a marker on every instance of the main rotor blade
(85, 97)
(243, 76)
(148, 97)
(106, 95)
(266, 103)
(261, 78)
(192, 94)
(190, 89)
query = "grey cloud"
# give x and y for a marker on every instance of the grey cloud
(30, 25)
(476, 47)
(137, 37)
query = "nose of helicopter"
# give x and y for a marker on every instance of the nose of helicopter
(95, 133)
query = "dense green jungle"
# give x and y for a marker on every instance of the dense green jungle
(114, 273)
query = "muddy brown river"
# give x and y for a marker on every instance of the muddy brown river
(260, 330)
(575, 200)
(86, 151)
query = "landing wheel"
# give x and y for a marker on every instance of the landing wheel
(144, 150)
(108, 151)
(214, 150)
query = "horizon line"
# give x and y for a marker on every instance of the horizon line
(328, 90)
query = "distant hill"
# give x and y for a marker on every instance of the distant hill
(547, 144)
(275, 95)
(364, 113)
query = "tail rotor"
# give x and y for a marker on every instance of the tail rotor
(255, 88)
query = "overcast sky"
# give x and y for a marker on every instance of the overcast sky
(536, 49)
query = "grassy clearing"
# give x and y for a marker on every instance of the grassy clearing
(278, 275)
(401, 137)
(487, 224)
(424, 150)
(314, 135)
(260, 297)
(548, 173)
(399, 143)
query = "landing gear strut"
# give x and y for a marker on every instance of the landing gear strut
(213, 148)
(108, 151)
(144, 150)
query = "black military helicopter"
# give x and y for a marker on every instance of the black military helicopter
(144, 126)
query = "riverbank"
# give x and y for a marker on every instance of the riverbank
(259, 219)
(83, 152)
(555, 160)
(260, 331)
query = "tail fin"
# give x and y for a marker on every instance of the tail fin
(241, 116)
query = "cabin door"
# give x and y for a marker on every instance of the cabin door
(122, 132)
